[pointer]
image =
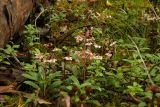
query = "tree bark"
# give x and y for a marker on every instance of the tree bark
(13, 15)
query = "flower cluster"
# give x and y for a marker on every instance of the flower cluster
(89, 42)
(87, 54)
(79, 38)
(43, 58)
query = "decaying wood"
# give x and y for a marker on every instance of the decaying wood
(13, 15)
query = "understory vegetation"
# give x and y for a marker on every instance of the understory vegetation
(95, 53)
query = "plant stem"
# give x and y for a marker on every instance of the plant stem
(145, 67)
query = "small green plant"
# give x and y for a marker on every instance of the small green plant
(31, 37)
(39, 75)
(136, 88)
(82, 93)
(107, 61)
(7, 53)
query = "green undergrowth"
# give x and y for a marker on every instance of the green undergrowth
(96, 54)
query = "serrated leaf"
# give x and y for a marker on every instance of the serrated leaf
(34, 85)
(54, 75)
(16, 46)
(69, 87)
(109, 73)
(41, 72)
(56, 83)
(97, 88)
(102, 68)
(31, 76)
(6, 62)
(157, 78)
(75, 80)
(85, 84)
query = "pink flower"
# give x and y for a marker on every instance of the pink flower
(50, 60)
(39, 56)
(77, 53)
(97, 46)
(68, 58)
(91, 39)
(89, 44)
(98, 57)
(108, 54)
(79, 38)
(56, 49)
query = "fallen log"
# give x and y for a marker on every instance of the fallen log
(13, 15)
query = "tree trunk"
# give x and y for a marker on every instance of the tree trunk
(13, 15)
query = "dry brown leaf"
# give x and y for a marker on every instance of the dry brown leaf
(6, 89)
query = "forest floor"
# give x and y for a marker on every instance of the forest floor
(94, 53)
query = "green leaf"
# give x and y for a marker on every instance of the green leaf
(102, 68)
(34, 85)
(85, 84)
(52, 76)
(142, 104)
(32, 97)
(95, 102)
(16, 46)
(148, 95)
(31, 76)
(96, 88)
(41, 72)
(109, 73)
(29, 67)
(6, 62)
(56, 84)
(157, 78)
(69, 87)
(75, 80)
(127, 60)
(1, 59)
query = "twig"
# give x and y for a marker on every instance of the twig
(61, 38)
(16, 59)
(134, 99)
(145, 67)
(39, 16)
